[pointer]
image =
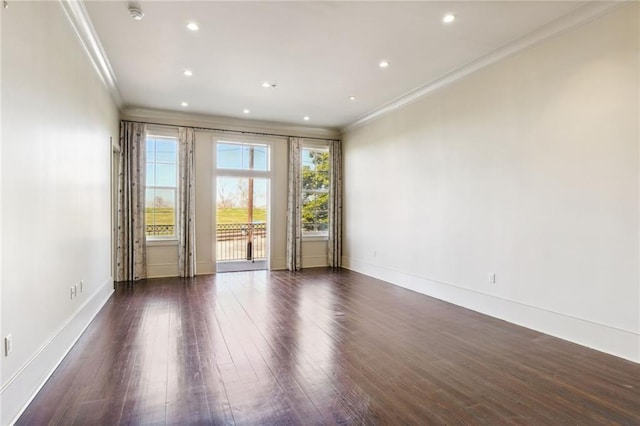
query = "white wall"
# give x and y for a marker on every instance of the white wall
(528, 169)
(57, 118)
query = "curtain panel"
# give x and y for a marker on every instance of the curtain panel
(131, 236)
(186, 203)
(335, 205)
(294, 213)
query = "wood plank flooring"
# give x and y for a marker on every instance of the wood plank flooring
(322, 346)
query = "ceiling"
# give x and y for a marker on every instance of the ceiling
(317, 53)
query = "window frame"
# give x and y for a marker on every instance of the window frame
(164, 133)
(320, 147)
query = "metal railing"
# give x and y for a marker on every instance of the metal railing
(232, 239)
(159, 230)
(241, 241)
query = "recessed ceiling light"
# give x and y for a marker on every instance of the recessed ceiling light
(246, 111)
(188, 73)
(184, 104)
(136, 13)
(384, 64)
(306, 118)
(352, 98)
(449, 18)
(193, 26)
(268, 85)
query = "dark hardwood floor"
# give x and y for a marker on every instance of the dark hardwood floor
(322, 347)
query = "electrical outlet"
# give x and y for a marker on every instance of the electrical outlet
(374, 253)
(73, 292)
(492, 278)
(8, 345)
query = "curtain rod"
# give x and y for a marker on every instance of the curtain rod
(242, 132)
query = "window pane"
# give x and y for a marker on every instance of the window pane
(245, 158)
(166, 151)
(315, 180)
(238, 156)
(261, 158)
(229, 156)
(161, 216)
(151, 144)
(166, 175)
(165, 199)
(307, 161)
(151, 175)
(149, 211)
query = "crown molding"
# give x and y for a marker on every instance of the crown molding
(81, 23)
(213, 122)
(572, 19)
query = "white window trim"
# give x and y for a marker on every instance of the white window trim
(158, 242)
(309, 236)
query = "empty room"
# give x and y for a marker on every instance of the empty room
(320, 212)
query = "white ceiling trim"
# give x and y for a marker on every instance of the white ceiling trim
(81, 23)
(175, 118)
(580, 16)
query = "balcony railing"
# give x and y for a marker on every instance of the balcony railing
(241, 241)
(159, 230)
(232, 239)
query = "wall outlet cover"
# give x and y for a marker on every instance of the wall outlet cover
(8, 345)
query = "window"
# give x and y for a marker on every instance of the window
(315, 191)
(161, 187)
(236, 156)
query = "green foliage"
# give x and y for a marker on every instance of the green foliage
(239, 215)
(315, 192)
(163, 216)
(166, 215)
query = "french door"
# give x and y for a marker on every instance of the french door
(242, 206)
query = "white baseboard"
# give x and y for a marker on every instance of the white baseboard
(278, 264)
(18, 392)
(205, 268)
(604, 338)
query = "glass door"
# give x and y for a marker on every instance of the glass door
(241, 207)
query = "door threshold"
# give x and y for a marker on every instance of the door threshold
(241, 265)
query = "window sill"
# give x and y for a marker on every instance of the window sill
(315, 238)
(161, 243)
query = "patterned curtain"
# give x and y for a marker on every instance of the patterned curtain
(335, 205)
(294, 213)
(131, 246)
(186, 203)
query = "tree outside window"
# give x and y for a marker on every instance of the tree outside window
(315, 191)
